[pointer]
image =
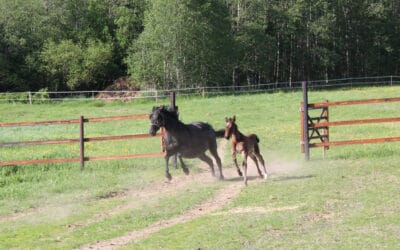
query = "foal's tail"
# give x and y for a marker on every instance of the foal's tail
(219, 133)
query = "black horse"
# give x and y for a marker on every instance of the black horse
(185, 140)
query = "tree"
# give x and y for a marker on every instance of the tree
(22, 30)
(76, 66)
(184, 42)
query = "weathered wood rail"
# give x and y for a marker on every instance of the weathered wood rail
(313, 128)
(81, 140)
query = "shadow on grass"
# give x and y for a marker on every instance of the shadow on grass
(290, 178)
(240, 178)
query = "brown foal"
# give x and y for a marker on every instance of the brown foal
(247, 145)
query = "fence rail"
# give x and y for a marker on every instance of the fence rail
(311, 126)
(81, 140)
(32, 97)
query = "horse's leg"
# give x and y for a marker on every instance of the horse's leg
(245, 168)
(209, 161)
(167, 174)
(184, 167)
(261, 159)
(214, 152)
(175, 160)
(235, 160)
(254, 158)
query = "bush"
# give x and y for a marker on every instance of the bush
(14, 97)
(42, 96)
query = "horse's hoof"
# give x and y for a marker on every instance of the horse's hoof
(186, 171)
(169, 177)
(240, 173)
(265, 176)
(221, 178)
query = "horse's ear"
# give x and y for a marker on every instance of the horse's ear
(234, 118)
(226, 119)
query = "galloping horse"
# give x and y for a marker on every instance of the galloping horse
(186, 140)
(247, 145)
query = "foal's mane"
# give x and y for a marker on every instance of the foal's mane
(235, 129)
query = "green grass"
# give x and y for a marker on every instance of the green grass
(348, 200)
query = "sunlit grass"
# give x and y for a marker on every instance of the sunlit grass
(347, 198)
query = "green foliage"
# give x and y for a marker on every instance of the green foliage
(76, 64)
(193, 43)
(188, 43)
(349, 200)
(129, 22)
(41, 96)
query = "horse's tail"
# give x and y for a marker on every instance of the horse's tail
(219, 133)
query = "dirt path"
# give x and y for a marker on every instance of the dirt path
(217, 202)
(220, 200)
(224, 196)
(231, 189)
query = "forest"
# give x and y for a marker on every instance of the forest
(87, 44)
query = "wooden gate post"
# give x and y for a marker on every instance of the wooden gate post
(173, 108)
(305, 140)
(325, 115)
(172, 101)
(82, 142)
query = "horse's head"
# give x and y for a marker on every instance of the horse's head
(230, 127)
(156, 119)
(159, 117)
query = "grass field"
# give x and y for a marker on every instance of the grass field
(350, 199)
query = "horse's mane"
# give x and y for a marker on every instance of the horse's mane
(167, 111)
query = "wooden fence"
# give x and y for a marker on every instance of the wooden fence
(82, 139)
(317, 128)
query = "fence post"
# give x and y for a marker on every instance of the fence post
(82, 142)
(305, 121)
(325, 115)
(172, 101)
(174, 109)
(301, 127)
(30, 97)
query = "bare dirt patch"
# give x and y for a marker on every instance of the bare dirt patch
(121, 89)
(211, 206)
(280, 166)
(223, 197)
(257, 210)
(232, 187)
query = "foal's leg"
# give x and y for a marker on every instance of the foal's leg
(254, 158)
(184, 167)
(209, 161)
(235, 161)
(245, 168)
(261, 159)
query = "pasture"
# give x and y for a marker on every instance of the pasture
(350, 199)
